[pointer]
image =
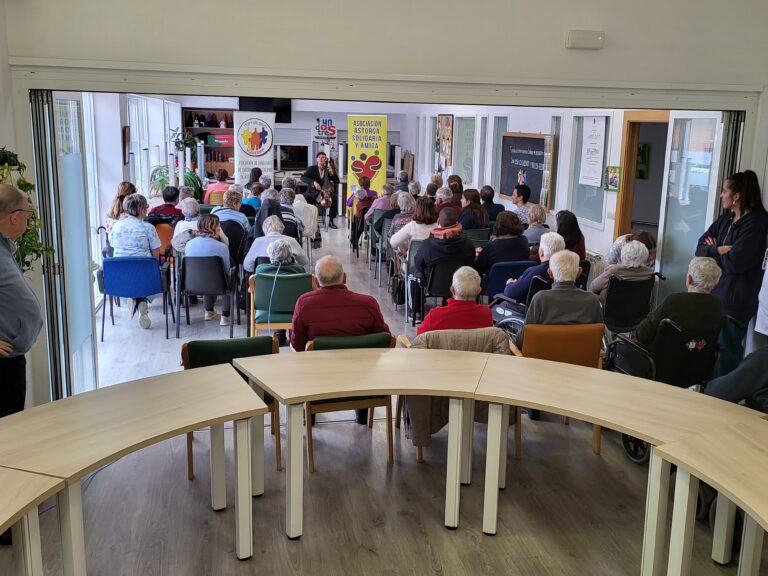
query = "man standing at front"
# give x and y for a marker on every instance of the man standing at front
(333, 310)
(320, 178)
(20, 319)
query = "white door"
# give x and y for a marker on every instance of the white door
(689, 191)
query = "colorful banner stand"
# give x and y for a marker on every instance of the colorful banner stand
(325, 135)
(367, 156)
(254, 144)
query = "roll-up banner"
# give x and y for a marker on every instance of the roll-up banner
(367, 155)
(254, 146)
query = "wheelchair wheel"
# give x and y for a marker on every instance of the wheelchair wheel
(637, 450)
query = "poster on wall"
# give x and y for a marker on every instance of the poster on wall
(325, 135)
(527, 159)
(254, 146)
(367, 155)
(592, 151)
(444, 143)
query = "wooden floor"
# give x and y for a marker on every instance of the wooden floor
(564, 512)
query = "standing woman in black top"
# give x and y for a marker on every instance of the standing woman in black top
(736, 241)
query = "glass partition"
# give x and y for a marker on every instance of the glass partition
(464, 149)
(587, 192)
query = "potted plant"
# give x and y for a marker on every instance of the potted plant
(158, 179)
(29, 246)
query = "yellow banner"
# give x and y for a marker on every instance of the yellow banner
(367, 156)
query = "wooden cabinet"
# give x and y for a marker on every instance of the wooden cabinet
(216, 128)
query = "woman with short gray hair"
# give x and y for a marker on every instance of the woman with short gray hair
(273, 229)
(695, 310)
(633, 265)
(184, 230)
(281, 260)
(414, 189)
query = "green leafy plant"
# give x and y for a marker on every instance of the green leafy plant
(184, 140)
(29, 246)
(158, 179)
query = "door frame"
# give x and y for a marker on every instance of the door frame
(630, 138)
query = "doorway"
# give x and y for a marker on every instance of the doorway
(643, 145)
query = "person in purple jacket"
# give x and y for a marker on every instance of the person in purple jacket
(737, 242)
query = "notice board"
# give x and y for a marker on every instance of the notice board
(527, 159)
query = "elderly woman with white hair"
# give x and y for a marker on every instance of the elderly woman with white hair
(696, 309)
(414, 189)
(273, 230)
(281, 260)
(402, 182)
(462, 311)
(633, 265)
(382, 203)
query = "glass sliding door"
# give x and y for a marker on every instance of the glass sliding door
(499, 127)
(63, 192)
(689, 191)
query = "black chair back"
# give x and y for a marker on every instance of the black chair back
(627, 302)
(440, 278)
(203, 276)
(538, 284)
(586, 267)
(683, 357)
(238, 240)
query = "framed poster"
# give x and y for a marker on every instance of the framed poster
(444, 144)
(126, 145)
(527, 159)
(612, 178)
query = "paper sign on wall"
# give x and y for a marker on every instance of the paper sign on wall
(367, 151)
(254, 144)
(592, 151)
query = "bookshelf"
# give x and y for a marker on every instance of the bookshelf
(206, 124)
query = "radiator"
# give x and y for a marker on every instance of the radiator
(597, 265)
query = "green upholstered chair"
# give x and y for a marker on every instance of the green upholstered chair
(199, 353)
(379, 340)
(478, 236)
(206, 208)
(273, 298)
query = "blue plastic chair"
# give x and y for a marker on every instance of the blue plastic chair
(497, 277)
(134, 277)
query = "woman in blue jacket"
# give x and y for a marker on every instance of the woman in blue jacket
(737, 242)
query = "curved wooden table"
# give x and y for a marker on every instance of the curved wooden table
(734, 461)
(297, 378)
(71, 438)
(21, 494)
(654, 412)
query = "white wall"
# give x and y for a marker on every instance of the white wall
(659, 42)
(7, 133)
(110, 115)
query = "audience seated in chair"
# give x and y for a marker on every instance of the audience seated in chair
(304, 211)
(549, 244)
(492, 209)
(273, 229)
(382, 203)
(293, 224)
(362, 202)
(444, 243)
(473, 215)
(748, 383)
(462, 311)
(418, 227)
(537, 223)
(206, 243)
(633, 264)
(507, 245)
(168, 207)
(394, 210)
(231, 209)
(252, 196)
(246, 209)
(281, 260)
(184, 230)
(444, 199)
(270, 206)
(564, 303)
(333, 310)
(131, 236)
(696, 310)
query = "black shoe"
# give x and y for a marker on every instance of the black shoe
(282, 340)
(332, 224)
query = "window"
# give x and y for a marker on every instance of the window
(483, 145)
(499, 127)
(464, 149)
(137, 120)
(588, 200)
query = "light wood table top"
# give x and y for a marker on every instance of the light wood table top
(72, 437)
(319, 375)
(652, 411)
(734, 460)
(22, 491)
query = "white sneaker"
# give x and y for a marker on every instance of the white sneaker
(144, 320)
(211, 315)
(225, 321)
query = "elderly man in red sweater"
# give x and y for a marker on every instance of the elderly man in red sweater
(333, 310)
(462, 310)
